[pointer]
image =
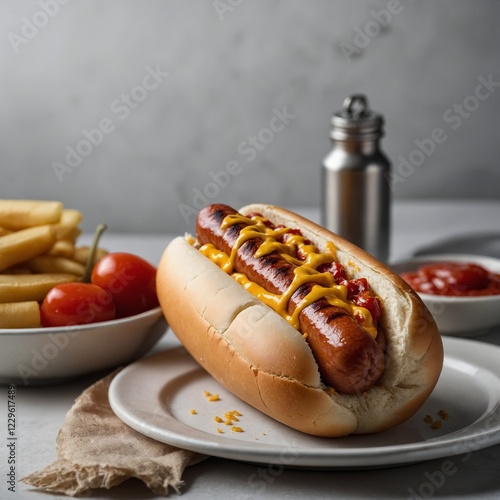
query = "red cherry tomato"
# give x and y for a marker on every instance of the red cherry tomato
(76, 304)
(131, 281)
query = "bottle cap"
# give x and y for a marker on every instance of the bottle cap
(356, 120)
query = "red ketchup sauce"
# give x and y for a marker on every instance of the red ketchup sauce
(453, 279)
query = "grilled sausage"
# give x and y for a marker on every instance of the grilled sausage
(350, 360)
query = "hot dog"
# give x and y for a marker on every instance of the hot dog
(313, 358)
(350, 360)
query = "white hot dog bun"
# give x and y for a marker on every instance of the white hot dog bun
(258, 356)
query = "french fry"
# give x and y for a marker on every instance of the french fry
(25, 244)
(81, 254)
(20, 315)
(67, 228)
(21, 214)
(20, 269)
(37, 252)
(28, 287)
(67, 233)
(55, 264)
(62, 248)
(71, 217)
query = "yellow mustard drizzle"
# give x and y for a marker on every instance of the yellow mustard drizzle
(305, 272)
(255, 228)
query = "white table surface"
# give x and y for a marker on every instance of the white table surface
(417, 226)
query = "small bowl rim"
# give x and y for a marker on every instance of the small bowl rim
(450, 257)
(87, 326)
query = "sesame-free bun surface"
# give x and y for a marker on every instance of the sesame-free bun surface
(258, 356)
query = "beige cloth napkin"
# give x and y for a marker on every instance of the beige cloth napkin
(97, 450)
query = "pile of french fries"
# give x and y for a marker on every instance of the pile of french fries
(38, 250)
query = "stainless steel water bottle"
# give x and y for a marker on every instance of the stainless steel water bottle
(356, 195)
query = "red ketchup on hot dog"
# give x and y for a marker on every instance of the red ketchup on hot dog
(453, 279)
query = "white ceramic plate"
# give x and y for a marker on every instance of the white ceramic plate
(156, 395)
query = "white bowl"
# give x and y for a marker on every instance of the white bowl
(46, 355)
(458, 316)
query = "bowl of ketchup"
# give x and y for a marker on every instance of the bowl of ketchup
(461, 291)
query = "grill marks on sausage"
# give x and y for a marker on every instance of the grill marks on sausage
(349, 359)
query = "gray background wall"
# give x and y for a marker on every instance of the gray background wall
(221, 71)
